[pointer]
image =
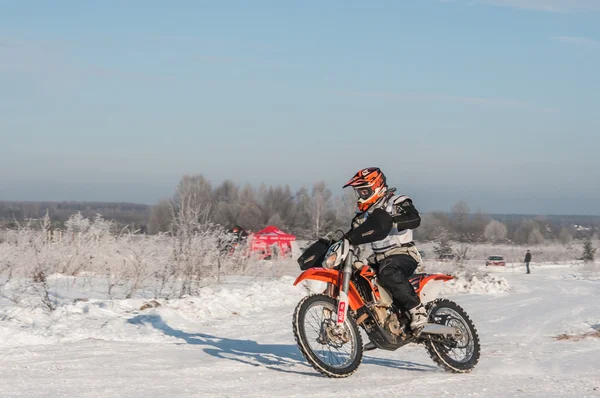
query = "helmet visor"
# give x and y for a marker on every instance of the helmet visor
(363, 193)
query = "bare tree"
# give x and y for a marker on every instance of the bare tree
(321, 197)
(277, 201)
(525, 230)
(430, 228)
(460, 211)
(226, 204)
(193, 194)
(476, 226)
(226, 192)
(303, 214)
(345, 209)
(459, 219)
(535, 237)
(161, 217)
(191, 229)
(250, 212)
(276, 221)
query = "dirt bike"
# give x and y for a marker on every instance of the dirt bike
(326, 325)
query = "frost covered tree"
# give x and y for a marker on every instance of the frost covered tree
(430, 229)
(321, 212)
(459, 218)
(522, 232)
(345, 210)
(467, 227)
(195, 242)
(303, 214)
(193, 195)
(77, 224)
(226, 192)
(495, 231)
(564, 236)
(535, 237)
(286, 206)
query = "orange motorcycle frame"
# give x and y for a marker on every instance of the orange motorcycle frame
(333, 277)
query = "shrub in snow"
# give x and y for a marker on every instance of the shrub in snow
(167, 265)
(443, 248)
(589, 252)
(462, 255)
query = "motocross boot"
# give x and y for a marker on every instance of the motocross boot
(418, 318)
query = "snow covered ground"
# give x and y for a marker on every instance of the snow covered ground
(236, 340)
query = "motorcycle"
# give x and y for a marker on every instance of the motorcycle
(326, 325)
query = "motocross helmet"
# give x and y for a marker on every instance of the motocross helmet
(369, 185)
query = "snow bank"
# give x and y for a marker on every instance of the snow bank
(467, 283)
(470, 279)
(84, 310)
(124, 320)
(583, 272)
(223, 301)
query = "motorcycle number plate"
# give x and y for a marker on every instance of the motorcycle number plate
(341, 312)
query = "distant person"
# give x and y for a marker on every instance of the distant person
(528, 260)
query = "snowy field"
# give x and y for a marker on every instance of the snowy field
(235, 340)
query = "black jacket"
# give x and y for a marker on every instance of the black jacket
(528, 257)
(406, 215)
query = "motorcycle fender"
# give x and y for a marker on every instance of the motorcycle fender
(432, 286)
(332, 276)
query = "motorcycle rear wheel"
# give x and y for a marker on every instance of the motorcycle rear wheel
(464, 355)
(333, 355)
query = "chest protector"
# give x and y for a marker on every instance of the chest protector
(396, 238)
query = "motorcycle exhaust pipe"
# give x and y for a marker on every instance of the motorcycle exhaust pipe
(434, 328)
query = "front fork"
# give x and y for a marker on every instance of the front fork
(343, 294)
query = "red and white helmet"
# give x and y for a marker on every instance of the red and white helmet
(369, 185)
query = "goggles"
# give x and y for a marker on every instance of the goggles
(363, 192)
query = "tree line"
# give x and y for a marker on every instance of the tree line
(463, 225)
(12, 212)
(311, 213)
(307, 213)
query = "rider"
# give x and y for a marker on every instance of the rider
(395, 257)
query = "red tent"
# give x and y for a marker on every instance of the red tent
(265, 239)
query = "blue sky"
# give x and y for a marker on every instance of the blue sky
(495, 102)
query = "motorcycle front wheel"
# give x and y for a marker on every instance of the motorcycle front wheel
(334, 352)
